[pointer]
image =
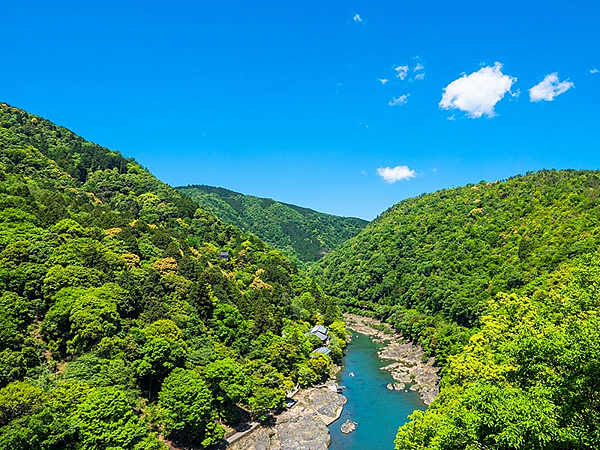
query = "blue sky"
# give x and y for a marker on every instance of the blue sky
(284, 100)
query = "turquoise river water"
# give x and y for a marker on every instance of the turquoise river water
(378, 411)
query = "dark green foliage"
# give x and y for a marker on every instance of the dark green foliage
(301, 233)
(449, 251)
(111, 284)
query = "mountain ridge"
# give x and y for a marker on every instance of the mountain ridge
(302, 233)
(500, 282)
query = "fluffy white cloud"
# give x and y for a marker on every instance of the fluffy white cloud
(477, 94)
(383, 80)
(398, 101)
(357, 18)
(549, 88)
(401, 71)
(593, 71)
(398, 173)
(419, 76)
(418, 67)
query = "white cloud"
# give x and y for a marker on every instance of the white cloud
(398, 173)
(549, 88)
(383, 80)
(419, 76)
(477, 94)
(402, 71)
(593, 71)
(357, 18)
(399, 101)
(418, 67)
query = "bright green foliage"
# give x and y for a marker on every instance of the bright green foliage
(226, 380)
(163, 350)
(186, 403)
(59, 277)
(18, 399)
(313, 370)
(110, 280)
(303, 234)
(267, 388)
(51, 428)
(107, 420)
(528, 379)
(81, 317)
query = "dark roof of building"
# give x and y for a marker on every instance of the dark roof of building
(319, 329)
(323, 350)
(321, 336)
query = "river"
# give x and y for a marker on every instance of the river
(377, 410)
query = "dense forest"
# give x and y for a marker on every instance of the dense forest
(529, 376)
(129, 314)
(301, 233)
(500, 282)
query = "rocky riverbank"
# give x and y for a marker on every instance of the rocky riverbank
(302, 427)
(410, 363)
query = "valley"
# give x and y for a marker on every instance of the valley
(133, 317)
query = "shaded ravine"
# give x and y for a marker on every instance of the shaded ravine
(378, 411)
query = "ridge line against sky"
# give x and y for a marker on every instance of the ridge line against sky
(343, 107)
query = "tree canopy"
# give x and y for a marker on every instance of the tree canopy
(115, 306)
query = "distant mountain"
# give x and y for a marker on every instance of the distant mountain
(301, 233)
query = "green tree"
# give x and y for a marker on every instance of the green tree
(106, 420)
(186, 403)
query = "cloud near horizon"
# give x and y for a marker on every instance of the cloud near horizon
(549, 88)
(476, 94)
(398, 173)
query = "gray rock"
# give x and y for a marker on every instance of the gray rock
(348, 427)
(302, 427)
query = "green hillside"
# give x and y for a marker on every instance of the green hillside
(301, 233)
(120, 318)
(499, 281)
(528, 377)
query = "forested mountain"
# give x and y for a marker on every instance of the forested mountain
(528, 378)
(120, 320)
(301, 233)
(500, 281)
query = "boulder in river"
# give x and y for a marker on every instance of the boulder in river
(348, 426)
